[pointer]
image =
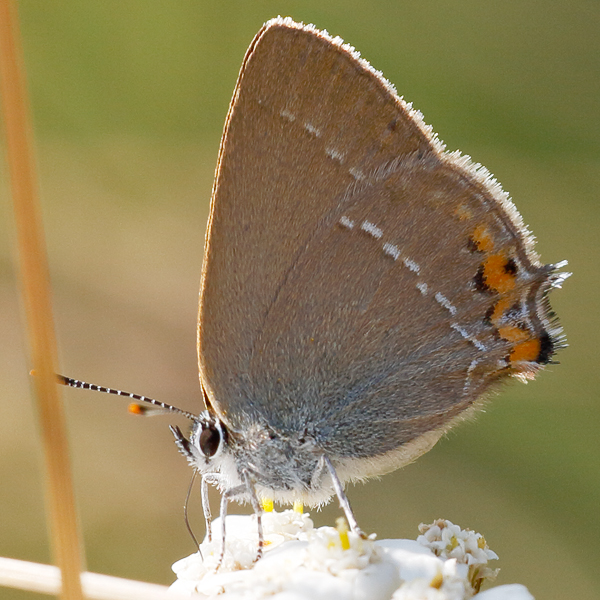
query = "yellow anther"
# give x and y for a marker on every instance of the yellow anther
(298, 506)
(437, 581)
(267, 504)
(342, 528)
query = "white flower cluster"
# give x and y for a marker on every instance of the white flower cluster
(448, 541)
(301, 562)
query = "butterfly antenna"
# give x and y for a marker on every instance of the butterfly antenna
(134, 408)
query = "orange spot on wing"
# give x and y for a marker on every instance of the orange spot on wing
(526, 351)
(510, 333)
(499, 309)
(483, 239)
(495, 274)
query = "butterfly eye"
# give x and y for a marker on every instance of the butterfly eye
(210, 440)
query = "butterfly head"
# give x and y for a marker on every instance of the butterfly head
(207, 444)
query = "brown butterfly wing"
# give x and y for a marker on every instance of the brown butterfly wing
(356, 278)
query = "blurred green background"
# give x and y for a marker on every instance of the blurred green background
(129, 99)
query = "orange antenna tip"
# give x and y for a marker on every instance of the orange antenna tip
(137, 409)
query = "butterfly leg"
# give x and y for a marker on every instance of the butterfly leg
(247, 488)
(206, 479)
(258, 510)
(225, 498)
(344, 504)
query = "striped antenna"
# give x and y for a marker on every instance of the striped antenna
(134, 408)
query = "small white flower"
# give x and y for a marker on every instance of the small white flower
(289, 523)
(448, 583)
(325, 551)
(447, 540)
